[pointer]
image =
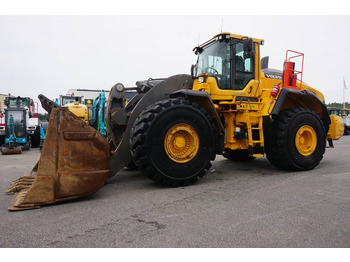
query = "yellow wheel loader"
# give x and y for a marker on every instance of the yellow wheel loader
(231, 104)
(75, 105)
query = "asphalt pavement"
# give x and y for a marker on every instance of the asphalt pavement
(246, 205)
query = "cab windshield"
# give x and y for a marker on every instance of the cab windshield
(18, 117)
(69, 99)
(22, 102)
(214, 60)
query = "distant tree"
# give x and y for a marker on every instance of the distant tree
(338, 105)
(43, 117)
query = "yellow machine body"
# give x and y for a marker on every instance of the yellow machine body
(80, 110)
(246, 107)
(336, 129)
(171, 130)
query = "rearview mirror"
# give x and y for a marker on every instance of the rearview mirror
(194, 71)
(248, 46)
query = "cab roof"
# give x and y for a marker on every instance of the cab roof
(224, 34)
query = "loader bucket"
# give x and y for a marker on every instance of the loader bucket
(74, 162)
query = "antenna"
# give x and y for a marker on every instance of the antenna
(199, 37)
(344, 88)
(222, 24)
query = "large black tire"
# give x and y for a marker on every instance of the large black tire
(298, 140)
(131, 166)
(238, 155)
(151, 152)
(35, 138)
(2, 140)
(26, 146)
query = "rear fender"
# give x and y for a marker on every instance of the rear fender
(293, 98)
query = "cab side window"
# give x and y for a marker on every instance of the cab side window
(244, 68)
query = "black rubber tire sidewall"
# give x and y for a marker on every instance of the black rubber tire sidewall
(281, 149)
(35, 138)
(155, 143)
(147, 142)
(305, 162)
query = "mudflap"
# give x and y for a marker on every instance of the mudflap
(74, 162)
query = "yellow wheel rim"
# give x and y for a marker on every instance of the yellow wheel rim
(306, 140)
(181, 143)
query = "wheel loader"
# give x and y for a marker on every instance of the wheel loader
(75, 105)
(232, 104)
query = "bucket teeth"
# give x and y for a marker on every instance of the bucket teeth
(20, 183)
(73, 163)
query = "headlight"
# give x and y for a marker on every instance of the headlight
(201, 79)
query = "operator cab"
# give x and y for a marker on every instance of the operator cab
(67, 99)
(19, 124)
(229, 60)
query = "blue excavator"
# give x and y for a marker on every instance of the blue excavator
(15, 133)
